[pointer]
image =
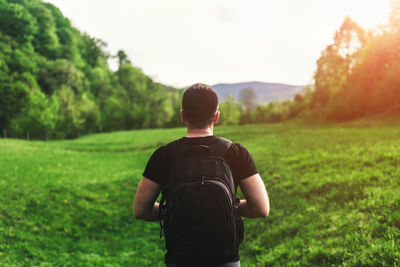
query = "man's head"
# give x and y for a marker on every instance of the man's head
(199, 106)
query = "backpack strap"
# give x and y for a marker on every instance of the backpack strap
(162, 212)
(220, 147)
(174, 150)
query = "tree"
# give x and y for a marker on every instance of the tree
(116, 114)
(38, 118)
(122, 58)
(230, 111)
(70, 122)
(248, 98)
(135, 83)
(158, 111)
(89, 112)
(14, 96)
(92, 49)
(337, 62)
(347, 42)
(328, 75)
(176, 100)
(45, 40)
(17, 22)
(54, 74)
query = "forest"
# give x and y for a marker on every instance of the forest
(56, 83)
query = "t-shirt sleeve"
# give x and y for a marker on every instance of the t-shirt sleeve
(241, 162)
(156, 167)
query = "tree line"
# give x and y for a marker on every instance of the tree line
(248, 110)
(357, 75)
(55, 81)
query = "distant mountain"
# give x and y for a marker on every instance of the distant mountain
(265, 92)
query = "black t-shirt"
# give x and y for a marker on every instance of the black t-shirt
(239, 160)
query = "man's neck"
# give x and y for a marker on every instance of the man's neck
(191, 133)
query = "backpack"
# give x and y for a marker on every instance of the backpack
(198, 207)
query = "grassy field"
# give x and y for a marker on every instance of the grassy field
(334, 192)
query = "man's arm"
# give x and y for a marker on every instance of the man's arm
(256, 204)
(145, 207)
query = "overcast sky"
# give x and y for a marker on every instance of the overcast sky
(180, 42)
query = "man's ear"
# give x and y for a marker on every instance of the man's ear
(182, 115)
(216, 117)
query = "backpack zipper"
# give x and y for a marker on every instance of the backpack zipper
(210, 180)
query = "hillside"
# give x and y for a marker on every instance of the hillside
(55, 81)
(265, 92)
(334, 192)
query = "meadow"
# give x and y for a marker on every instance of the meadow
(334, 192)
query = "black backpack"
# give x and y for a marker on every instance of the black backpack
(198, 208)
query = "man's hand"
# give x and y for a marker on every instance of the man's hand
(145, 207)
(256, 204)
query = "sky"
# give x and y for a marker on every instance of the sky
(181, 42)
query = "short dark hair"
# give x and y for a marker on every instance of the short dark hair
(199, 104)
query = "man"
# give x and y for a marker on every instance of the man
(200, 112)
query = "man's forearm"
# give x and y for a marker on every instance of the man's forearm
(151, 216)
(245, 210)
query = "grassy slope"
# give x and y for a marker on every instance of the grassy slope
(334, 191)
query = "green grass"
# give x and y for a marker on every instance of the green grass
(334, 192)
